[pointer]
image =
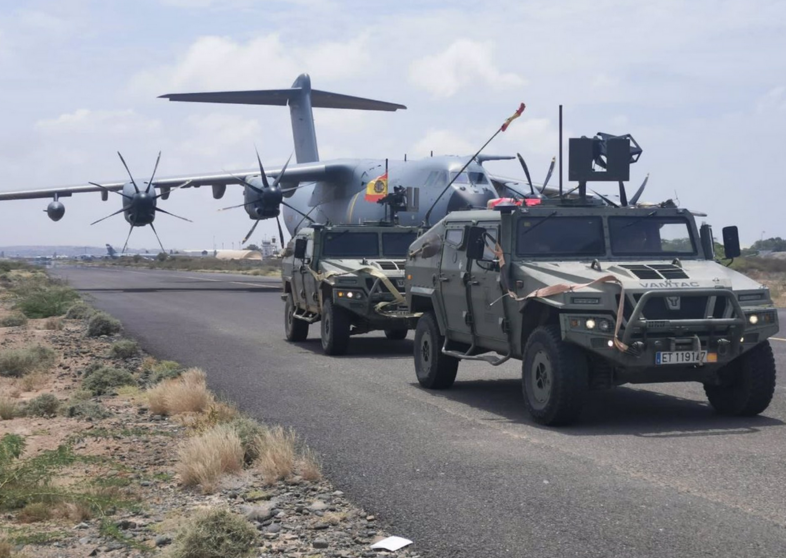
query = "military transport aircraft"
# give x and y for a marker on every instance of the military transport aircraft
(338, 191)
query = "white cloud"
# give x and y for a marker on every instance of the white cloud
(773, 100)
(442, 142)
(103, 122)
(463, 63)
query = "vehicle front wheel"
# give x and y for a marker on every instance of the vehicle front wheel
(748, 383)
(396, 334)
(434, 369)
(554, 377)
(295, 330)
(335, 329)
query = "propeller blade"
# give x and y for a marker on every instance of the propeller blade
(281, 174)
(129, 172)
(152, 226)
(623, 194)
(634, 200)
(108, 190)
(604, 198)
(108, 216)
(236, 206)
(261, 170)
(186, 183)
(569, 192)
(172, 214)
(155, 168)
(280, 231)
(129, 236)
(526, 173)
(548, 175)
(254, 226)
(297, 211)
(245, 182)
(297, 187)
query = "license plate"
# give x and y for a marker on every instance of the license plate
(684, 357)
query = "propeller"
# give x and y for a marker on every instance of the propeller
(604, 198)
(548, 175)
(634, 200)
(526, 173)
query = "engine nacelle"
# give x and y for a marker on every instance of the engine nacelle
(219, 190)
(55, 210)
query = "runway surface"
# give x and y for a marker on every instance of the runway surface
(647, 472)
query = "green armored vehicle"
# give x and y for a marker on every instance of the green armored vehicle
(590, 295)
(350, 278)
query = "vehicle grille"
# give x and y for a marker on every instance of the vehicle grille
(691, 307)
(400, 287)
(657, 271)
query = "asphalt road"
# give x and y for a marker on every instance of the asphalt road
(647, 472)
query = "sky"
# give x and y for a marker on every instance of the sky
(700, 84)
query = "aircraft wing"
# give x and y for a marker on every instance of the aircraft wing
(307, 172)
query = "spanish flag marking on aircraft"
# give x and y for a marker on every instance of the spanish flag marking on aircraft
(514, 117)
(377, 188)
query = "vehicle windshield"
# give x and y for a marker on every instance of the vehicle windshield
(650, 236)
(560, 236)
(396, 245)
(346, 244)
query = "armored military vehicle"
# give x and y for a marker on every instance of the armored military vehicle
(590, 294)
(350, 278)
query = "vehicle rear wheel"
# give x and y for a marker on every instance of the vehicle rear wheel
(555, 377)
(748, 383)
(434, 369)
(396, 334)
(295, 330)
(335, 328)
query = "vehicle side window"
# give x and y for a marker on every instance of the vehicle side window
(454, 237)
(490, 245)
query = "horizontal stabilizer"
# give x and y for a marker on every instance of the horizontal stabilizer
(280, 97)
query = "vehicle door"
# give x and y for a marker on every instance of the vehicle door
(298, 279)
(310, 286)
(485, 292)
(450, 283)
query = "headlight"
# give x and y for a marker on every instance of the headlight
(353, 295)
(590, 324)
(604, 325)
(753, 319)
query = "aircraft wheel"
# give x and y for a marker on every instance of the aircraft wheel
(295, 330)
(396, 334)
(748, 383)
(434, 369)
(555, 377)
(335, 329)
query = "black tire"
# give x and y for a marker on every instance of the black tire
(294, 329)
(434, 369)
(396, 334)
(335, 328)
(748, 383)
(554, 377)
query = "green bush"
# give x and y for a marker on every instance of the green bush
(215, 534)
(79, 311)
(45, 405)
(92, 367)
(86, 409)
(160, 371)
(18, 362)
(251, 435)
(106, 379)
(102, 324)
(45, 301)
(14, 320)
(123, 349)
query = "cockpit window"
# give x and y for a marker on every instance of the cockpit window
(346, 244)
(396, 245)
(643, 236)
(469, 178)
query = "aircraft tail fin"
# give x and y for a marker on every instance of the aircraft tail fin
(301, 99)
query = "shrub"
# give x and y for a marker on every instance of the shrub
(106, 378)
(45, 405)
(92, 367)
(154, 372)
(102, 324)
(185, 394)
(277, 460)
(123, 349)
(215, 534)
(79, 311)
(35, 513)
(204, 458)
(309, 465)
(86, 409)
(5, 547)
(45, 301)
(18, 362)
(7, 408)
(53, 324)
(14, 320)
(252, 436)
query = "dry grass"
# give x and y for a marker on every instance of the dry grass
(7, 408)
(334, 518)
(203, 459)
(278, 457)
(6, 549)
(33, 381)
(185, 394)
(35, 513)
(309, 466)
(74, 511)
(53, 324)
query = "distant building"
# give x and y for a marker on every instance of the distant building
(269, 249)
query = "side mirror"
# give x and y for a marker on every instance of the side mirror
(300, 248)
(476, 243)
(707, 244)
(731, 242)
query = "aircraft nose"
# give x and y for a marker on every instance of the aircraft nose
(469, 199)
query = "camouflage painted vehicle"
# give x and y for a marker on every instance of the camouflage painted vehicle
(350, 278)
(590, 296)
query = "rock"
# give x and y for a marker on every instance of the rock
(259, 512)
(320, 543)
(82, 525)
(320, 526)
(338, 493)
(163, 540)
(274, 528)
(318, 505)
